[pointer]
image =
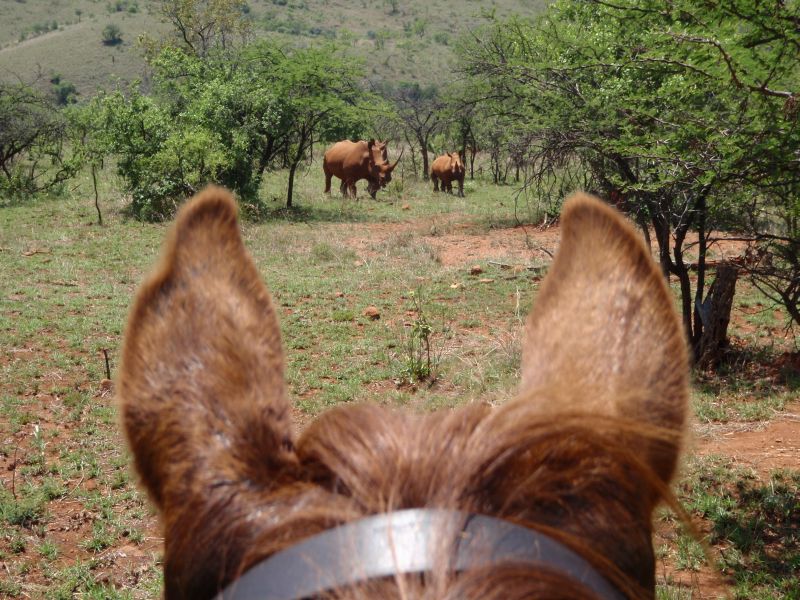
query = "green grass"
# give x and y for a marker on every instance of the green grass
(64, 296)
(754, 523)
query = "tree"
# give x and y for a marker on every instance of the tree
(33, 157)
(421, 111)
(202, 27)
(65, 92)
(673, 108)
(90, 139)
(162, 160)
(112, 35)
(773, 263)
(226, 118)
(320, 101)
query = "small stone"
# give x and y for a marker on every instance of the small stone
(476, 270)
(405, 207)
(372, 312)
(455, 286)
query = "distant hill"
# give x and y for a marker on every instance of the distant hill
(398, 39)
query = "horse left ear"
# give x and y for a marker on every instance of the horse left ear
(201, 383)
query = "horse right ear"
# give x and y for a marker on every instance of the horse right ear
(604, 336)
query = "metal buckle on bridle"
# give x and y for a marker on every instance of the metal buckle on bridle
(407, 542)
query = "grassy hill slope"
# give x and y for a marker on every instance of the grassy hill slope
(403, 40)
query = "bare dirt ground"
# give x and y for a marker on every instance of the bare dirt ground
(458, 245)
(762, 447)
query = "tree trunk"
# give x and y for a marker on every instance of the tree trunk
(473, 150)
(304, 137)
(265, 156)
(290, 189)
(96, 196)
(715, 313)
(701, 272)
(681, 269)
(661, 228)
(413, 156)
(423, 148)
(642, 222)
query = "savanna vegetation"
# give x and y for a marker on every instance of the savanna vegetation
(686, 115)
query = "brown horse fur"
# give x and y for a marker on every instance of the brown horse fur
(584, 453)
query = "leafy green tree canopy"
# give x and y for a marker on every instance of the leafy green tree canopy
(33, 135)
(227, 119)
(682, 110)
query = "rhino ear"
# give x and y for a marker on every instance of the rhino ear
(604, 336)
(201, 383)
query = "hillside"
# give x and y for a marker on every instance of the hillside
(398, 40)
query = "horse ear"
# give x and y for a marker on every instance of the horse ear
(201, 383)
(604, 336)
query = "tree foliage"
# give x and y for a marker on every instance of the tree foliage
(112, 35)
(421, 113)
(203, 27)
(227, 120)
(683, 111)
(33, 133)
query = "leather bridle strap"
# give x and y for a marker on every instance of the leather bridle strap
(404, 542)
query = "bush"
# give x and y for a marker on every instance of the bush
(421, 358)
(112, 35)
(131, 6)
(440, 37)
(207, 122)
(64, 91)
(32, 142)
(161, 159)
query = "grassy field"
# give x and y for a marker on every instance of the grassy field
(72, 521)
(413, 42)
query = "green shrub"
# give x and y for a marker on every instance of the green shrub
(420, 356)
(33, 153)
(112, 35)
